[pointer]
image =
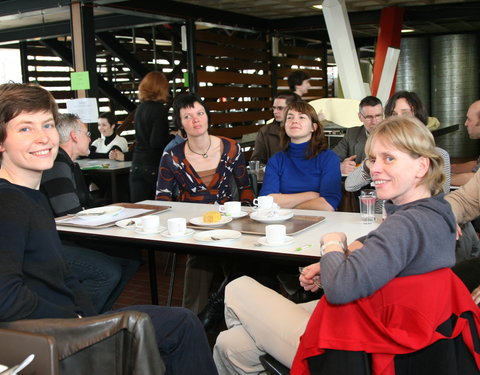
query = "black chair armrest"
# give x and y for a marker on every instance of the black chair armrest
(272, 366)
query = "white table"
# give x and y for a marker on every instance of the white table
(247, 244)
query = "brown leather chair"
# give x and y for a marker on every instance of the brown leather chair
(116, 344)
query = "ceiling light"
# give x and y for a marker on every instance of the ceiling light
(318, 6)
(408, 30)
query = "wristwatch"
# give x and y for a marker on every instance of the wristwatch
(324, 246)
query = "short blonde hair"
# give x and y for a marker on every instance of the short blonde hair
(411, 136)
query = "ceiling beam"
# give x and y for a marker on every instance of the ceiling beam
(61, 28)
(190, 11)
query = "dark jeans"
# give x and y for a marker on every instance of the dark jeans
(103, 276)
(181, 340)
(143, 182)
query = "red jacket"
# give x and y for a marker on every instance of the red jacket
(401, 317)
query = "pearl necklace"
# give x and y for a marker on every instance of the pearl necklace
(205, 154)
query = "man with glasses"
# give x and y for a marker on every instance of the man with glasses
(103, 276)
(350, 149)
(267, 142)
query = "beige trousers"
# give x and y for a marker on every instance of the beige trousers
(259, 321)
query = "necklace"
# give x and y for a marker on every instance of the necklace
(205, 154)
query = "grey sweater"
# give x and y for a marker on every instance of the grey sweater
(415, 238)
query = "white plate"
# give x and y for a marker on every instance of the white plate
(223, 235)
(288, 241)
(99, 213)
(187, 233)
(140, 231)
(199, 221)
(281, 216)
(125, 223)
(237, 216)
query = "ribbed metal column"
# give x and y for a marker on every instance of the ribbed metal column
(455, 85)
(413, 72)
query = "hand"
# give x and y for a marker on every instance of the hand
(476, 295)
(116, 155)
(348, 165)
(310, 277)
(355, 245)
(459, 232)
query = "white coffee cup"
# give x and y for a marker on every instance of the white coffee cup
(231, 208)
(264, 202)
(177, 226)
(149, 223)
(275, 234)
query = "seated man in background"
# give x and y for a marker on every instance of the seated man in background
(463, 172)
(102, 275)
(465, 204)
(267, 142)
(299, 82)
(351, 147)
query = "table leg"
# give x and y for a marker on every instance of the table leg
(152, 270)
(113, 183)
(172, 279)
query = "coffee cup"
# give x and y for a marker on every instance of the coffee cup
(275, 234)
(149, 223)
(264, 202)
(177, 226)
(233, 208)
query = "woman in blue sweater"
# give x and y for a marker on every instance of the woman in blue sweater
(306, 175)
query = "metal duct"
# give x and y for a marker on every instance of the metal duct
(413, 72)
(455, 85)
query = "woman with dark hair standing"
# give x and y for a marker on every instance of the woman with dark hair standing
(306, 175)
(151, 135)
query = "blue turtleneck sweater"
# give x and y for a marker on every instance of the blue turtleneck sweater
(291, 172)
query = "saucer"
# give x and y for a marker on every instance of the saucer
(187, 233)
(288, 241)
(140, 231)
(218, 235)
(237, 216)
(199, 221)
(281, 215)
(127, 223)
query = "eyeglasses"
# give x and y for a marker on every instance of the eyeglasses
(278, 108)
(378, 117)
(88, 134)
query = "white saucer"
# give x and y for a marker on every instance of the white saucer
(140, 231)
(281, 215)
(288, 241)
(217, 235)
(125, 224)
(187, 233)
(199, 221)
(237, 216)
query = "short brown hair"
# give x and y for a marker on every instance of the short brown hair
(154, 87)
(410, 135)
(318, 142)
(16, 98)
